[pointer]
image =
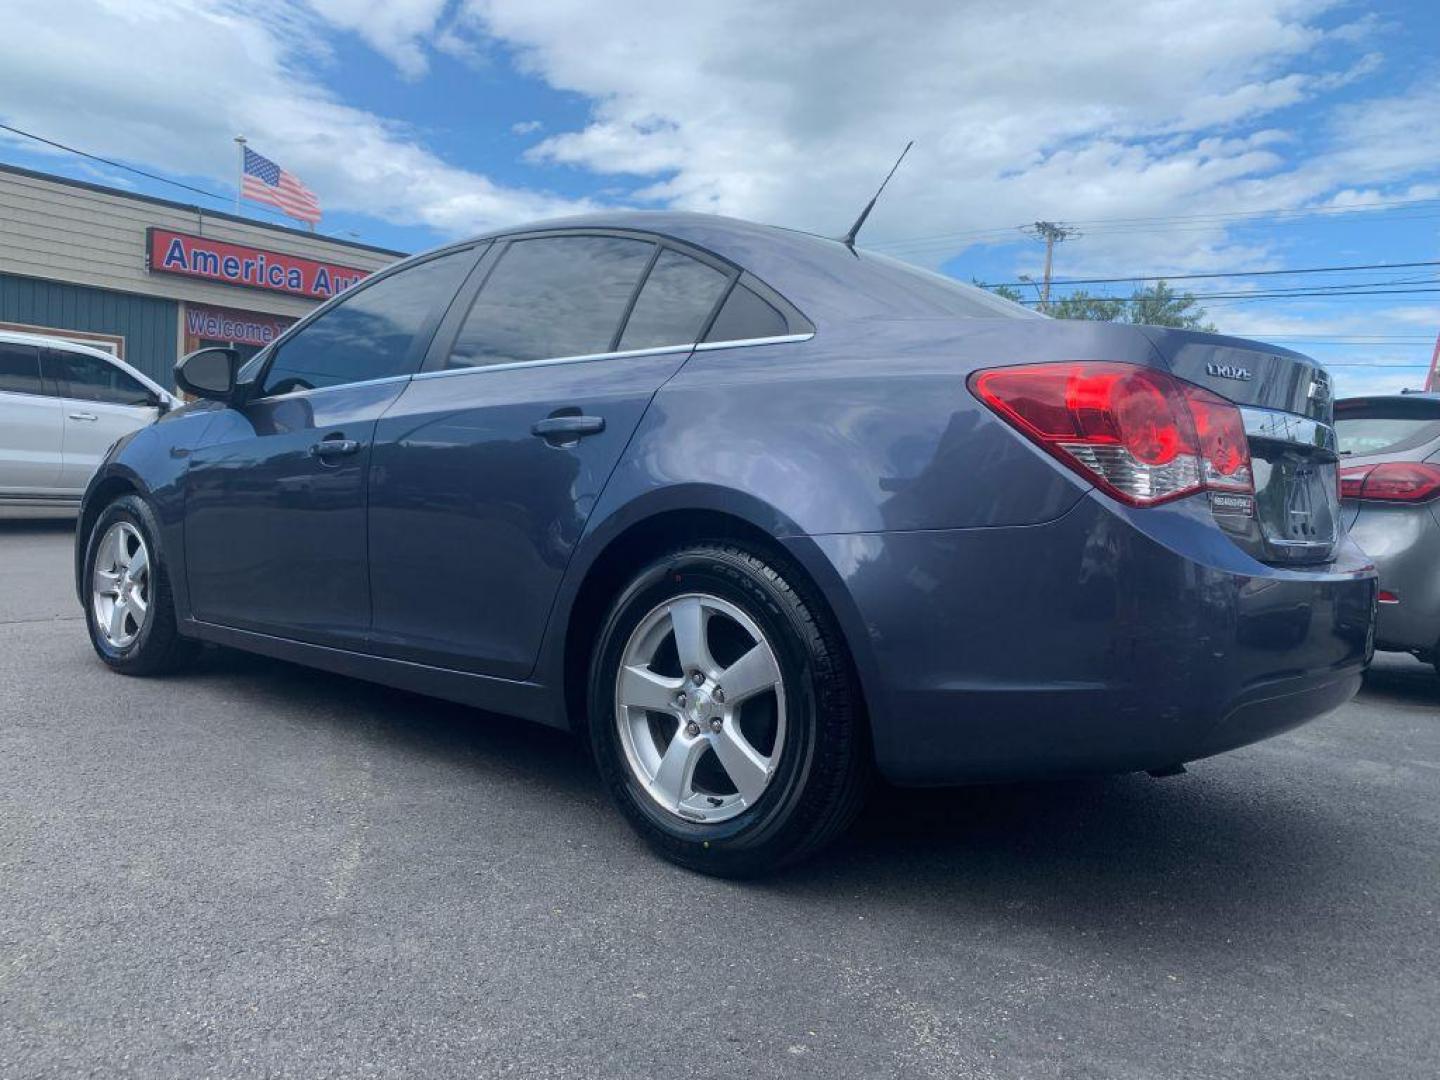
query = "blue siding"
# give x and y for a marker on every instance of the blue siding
(148, 325)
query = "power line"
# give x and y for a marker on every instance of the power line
(112, 164)
(139, 172)
(1230, 274)
(1288, 216)
(1210, 298)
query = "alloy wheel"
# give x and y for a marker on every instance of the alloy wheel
(700, 707)
(120, 585)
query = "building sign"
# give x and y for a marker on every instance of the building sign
(169, 252)
(223, 324)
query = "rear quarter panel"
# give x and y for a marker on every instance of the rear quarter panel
(867, 428)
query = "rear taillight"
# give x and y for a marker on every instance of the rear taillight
(1391, 481)
(1144, 436)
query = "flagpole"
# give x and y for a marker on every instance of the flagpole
(240, 176)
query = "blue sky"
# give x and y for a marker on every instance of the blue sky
(1199, 136)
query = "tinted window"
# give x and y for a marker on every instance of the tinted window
(370, 334)
(558, 296)
(747, 315)
(19, 369)
(672, 308)
(1384, 435)
(90, 378)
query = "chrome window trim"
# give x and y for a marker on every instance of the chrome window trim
(336, 386)
(1283, 427)
(779, 339)
(659, 350)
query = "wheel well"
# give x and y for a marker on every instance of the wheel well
(108, 490)
(630, 551)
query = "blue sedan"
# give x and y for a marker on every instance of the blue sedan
(759, 514)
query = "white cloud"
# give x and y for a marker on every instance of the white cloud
(787, 112)
(168, 83)
(394, 28)
(791, 112)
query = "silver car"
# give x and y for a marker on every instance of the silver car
(62, 405)
(1390, 492)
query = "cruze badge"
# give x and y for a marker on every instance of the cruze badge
(1228, 371)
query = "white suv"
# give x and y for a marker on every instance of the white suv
(61, 407)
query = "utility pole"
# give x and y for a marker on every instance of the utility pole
(1052, 233)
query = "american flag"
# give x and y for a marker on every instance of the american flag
(264, 181)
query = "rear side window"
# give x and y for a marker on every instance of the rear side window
(370, 334)
(1384, 435)
(674, 304)
(19, 369)
(552, 297)
(89, 378)
(747, 315)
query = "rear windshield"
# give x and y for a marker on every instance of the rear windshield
(1384, 435)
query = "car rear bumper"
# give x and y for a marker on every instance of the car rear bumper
(1108, 640)
(1404, 543)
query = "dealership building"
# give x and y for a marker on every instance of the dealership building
(149, 279)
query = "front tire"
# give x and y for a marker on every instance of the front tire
(725, 717)
(129, 609)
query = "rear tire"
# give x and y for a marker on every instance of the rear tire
(129, 608)
(732, 786)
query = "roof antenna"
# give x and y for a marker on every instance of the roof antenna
(849, 238)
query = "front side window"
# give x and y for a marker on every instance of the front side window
(370, 334)
(552, 297)
(19, 369)
(89, 378)
(674, 303)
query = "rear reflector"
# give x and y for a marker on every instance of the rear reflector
(1391, 481)
(1142, 435)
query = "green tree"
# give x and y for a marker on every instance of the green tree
(1001, 290)
(1161, 305)
(1081, 305)
(1153, 305)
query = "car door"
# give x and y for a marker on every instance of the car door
(31, 425)
(488, 466)
(100, 402)
(275, 492)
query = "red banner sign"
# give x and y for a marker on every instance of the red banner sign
(241, 327)
(170, 252)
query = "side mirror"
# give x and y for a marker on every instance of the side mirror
(208, 373)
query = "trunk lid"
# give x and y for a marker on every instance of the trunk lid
(1288, 406)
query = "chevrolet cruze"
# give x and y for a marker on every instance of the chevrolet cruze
(757, 513)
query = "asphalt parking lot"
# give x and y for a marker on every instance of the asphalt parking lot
(258, 870)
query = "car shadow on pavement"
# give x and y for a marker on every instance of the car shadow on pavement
(410, 723)
(1224, 850)
(1397, 679)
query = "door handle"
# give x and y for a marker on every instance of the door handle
(328, 448)
(83, 416)
(567, 429)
